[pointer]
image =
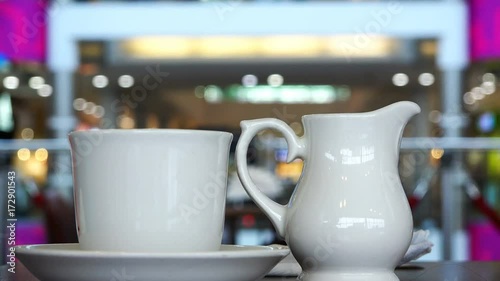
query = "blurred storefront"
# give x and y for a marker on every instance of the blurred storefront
(483, 104)
(209, 65)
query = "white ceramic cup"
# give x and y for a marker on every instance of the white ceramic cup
(150, 190)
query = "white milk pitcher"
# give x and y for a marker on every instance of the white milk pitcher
(348, 218)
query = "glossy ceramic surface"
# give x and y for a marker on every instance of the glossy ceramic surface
(150, 190)
(348, 218)
(63, 262)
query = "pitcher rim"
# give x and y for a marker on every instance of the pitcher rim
(340, 115)
(364, 114)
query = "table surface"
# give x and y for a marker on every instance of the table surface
(440, 271)
(430, 271)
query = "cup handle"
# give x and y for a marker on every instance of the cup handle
(296, 149)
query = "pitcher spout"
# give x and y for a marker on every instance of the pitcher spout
(401, 111)
(396, 116)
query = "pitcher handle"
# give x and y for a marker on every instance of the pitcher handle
(296, 149)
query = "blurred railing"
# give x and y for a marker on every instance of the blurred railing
(460, 143)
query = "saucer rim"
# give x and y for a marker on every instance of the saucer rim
(61, 249)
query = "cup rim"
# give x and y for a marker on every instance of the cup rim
(149, 132)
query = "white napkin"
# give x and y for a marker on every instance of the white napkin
(419, 246)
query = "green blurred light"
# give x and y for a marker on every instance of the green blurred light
(6, 114)
(315, 94)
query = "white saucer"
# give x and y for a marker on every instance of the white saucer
(63, 262)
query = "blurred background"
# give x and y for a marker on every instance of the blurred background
(82, 65)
